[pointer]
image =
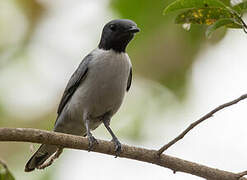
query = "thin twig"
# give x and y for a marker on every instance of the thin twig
(244, 26)
(194, 124)
(3, 164)
(242, 21)
(107, 147)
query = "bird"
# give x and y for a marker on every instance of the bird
(95, 90)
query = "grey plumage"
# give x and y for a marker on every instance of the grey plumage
(74, 82)
(95, 91)
(101, 91)
(129, 80)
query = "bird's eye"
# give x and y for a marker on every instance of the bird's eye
(113, 27)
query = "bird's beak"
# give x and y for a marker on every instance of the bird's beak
(134, 29)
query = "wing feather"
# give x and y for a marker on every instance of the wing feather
(129, 80)
(78, 76)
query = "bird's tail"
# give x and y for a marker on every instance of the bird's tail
(40, 156)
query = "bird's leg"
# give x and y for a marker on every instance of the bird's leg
(91, 140)
(118, 147)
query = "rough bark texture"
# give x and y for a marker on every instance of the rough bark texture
(105, 147)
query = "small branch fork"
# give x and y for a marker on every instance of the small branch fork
(140, 154)
(194, 124)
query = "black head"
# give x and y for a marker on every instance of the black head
(117, 34)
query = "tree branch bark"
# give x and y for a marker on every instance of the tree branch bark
(105, 147)
(194, 124)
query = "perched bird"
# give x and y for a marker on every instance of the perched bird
(95, 91)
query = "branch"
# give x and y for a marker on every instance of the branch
(3, 164)
(242, 174)
(105, 147)
(194, 124)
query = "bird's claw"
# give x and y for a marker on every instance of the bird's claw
(92, 141)
(118, 147)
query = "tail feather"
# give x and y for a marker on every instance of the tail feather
(40, 156)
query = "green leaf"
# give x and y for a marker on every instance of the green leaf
(189, 4)
(241, 7)
(229, 22)
(226, 2)
(207, 16)
(235, 25)
(5, 174)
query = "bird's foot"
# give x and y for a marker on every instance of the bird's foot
(92, 142)
(118, 147)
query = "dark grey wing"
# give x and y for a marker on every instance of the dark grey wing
(129, 80)
(75, 80)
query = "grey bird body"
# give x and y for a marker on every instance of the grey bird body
(102, 91)
(95, 91)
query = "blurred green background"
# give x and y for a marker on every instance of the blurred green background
(41, 44)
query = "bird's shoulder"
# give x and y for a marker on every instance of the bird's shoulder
(77, 77)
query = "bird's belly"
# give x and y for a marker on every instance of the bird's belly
(102, 91)
(104, 95)
(107, 97)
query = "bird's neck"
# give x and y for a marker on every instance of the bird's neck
(117, 47)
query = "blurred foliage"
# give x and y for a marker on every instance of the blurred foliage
(221, 22)
(32, 9)
(209, 12)
(25, 12)
(241, 7)
(187, 4)
(5, 174)
(18, 21)
(161, 52)
(206, 16)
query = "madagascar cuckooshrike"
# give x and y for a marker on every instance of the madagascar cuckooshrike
(95, 91)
